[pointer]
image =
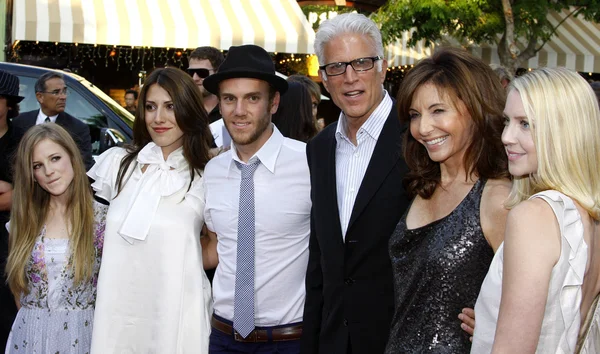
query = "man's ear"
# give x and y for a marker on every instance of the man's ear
(323, 77)
(39, 97)
(275, 103)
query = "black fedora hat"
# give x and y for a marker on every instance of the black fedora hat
(246, 61)
(9, 86)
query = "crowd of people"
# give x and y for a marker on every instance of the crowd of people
(471, 194)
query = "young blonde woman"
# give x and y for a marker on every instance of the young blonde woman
(55, 245)
(545, 277)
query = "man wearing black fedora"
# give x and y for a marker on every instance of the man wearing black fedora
(257, 211)
(9, 139)
(51, 94)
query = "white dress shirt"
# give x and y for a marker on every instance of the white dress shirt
(351, 161)
(220, 133)
(41, 118)
(282, 217)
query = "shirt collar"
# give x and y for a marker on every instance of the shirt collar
(41, 118)
(267, 154)
(373, 125)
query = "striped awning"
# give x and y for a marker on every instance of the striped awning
(400, 54)
(276, 25)
(576, 46)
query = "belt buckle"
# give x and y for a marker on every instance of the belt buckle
(251, 337)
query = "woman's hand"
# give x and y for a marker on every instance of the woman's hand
(467, 316)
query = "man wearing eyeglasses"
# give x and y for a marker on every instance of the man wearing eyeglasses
(357, 196)
(51, 93)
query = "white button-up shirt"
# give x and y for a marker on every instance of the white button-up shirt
(282, 217)
(351, 161)
(41, 118)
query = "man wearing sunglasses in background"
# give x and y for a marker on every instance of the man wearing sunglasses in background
(203, 62)
(51, 94)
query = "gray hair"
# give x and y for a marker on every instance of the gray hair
(346, 23)
(502, 72)
(40, 84)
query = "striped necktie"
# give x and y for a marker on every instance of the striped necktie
(243, 307)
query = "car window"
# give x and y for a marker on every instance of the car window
(77, 106)
(27, 90)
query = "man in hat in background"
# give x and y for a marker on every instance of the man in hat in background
(257, 198)
(51, 94)
(9, 139)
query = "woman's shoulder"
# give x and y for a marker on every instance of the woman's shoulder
(497, 188)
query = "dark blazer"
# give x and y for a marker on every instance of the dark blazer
(349, 287)
(79, 131)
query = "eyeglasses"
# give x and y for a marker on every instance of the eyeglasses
(360, 64)
(201, 72)
(57, 92)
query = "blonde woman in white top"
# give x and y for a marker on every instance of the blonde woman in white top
(546, 275)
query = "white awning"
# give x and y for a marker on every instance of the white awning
(276, 25)
(576, 46)
(400, 54)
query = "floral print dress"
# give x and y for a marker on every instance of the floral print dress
(56, 316)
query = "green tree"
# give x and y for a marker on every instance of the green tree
(499, 22)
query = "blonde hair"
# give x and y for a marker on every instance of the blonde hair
(30, 209)
(565, 126)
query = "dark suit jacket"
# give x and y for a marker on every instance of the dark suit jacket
(349, 287)
(79, 131)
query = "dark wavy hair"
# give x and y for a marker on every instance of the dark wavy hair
(468, 79)
(190, 115)
(294, 117)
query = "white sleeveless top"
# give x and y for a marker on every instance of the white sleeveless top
(560, 325)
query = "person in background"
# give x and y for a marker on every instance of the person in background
(257, 213)
(357, 195)
(444, 243)
(9, 139)
(203, 62)
(294, 117)
(315, 94)
(545, 277)
(131, 101)
(153, 294)
(503, 74)
(55, 243)
(51, 93)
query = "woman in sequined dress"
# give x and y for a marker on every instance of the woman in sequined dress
(443, 245)
(545, 277)
(55, 245)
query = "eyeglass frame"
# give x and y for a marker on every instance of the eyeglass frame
(57, 92)
(374, 59)
(195, 71)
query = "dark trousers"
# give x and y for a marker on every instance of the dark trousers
(221, 343)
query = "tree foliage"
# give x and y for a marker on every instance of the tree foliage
(498, 22)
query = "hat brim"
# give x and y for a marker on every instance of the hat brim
(212, 82)
(15, 98)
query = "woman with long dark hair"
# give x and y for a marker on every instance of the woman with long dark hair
(294, 115)
(153, 294)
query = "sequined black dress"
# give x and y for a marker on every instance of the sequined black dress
(438, 270)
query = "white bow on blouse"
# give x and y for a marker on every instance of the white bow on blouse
(161, 179)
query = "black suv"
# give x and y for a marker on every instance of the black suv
(109, 123)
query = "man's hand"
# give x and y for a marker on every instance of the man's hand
(467, 316)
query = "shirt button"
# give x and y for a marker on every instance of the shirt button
(345, 322)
